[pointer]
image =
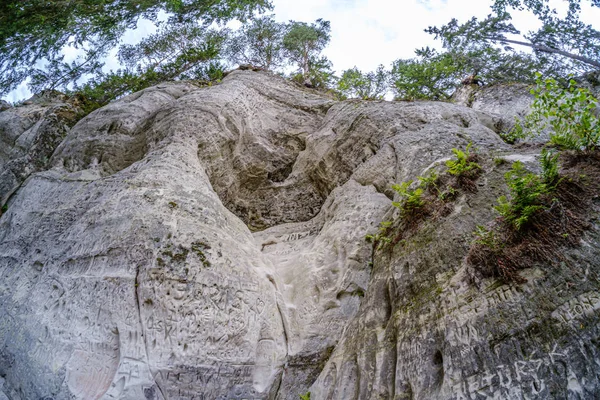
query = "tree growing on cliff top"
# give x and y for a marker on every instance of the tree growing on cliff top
(303, 44)
(435, 75)
(175, 52)
(364, 85)
(566, 43)
(33, 32)
(259, 43)
(485, 49)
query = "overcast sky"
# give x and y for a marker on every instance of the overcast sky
(366, 33)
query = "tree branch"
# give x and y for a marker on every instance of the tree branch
(546, 49)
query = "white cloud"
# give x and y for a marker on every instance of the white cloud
(367, 33)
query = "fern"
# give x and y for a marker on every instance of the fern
(526, 191)
(410, 200)
(462, 165)
(550, 167)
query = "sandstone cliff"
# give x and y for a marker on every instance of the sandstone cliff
(209, 243)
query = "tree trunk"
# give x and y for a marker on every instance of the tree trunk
(306, 70)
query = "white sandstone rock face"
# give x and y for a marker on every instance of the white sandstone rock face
(29, 135)
(209, 243)
(503, 102)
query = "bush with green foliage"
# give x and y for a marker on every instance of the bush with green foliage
(434, 75)
(487, 237)
(550, 168)
(570, 113)
(429, 181)
(367, 86)
(430, 75)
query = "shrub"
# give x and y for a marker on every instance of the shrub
(569, 112)
(503, 250)
(487, 237)
(429, 181)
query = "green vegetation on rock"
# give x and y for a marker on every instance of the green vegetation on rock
(568, 112)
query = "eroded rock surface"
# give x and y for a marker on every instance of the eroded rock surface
(209, 243)
(29, 135)
(504, 102)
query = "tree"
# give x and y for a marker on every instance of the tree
(369, 86)
(483, 49)
(566, 43)
(259, 43)
(430, 75)
(320, 74)
(303, 44)
(33, 32)
(435, 75)
(179, 51)
(175, 52)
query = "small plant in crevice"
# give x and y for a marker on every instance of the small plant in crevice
(550, 168)
(487, 237)
(305, 396)
(429, 181)
(498, 161)
(411, 200)
(526, 196)
(464, 167)
(528, 192)
(464, 163)
(380, 239)
(3, 209)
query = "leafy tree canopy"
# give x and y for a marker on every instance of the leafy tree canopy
(568, 44)
(303, 44)
(430, 75)
(485, 49)
(178, 51)
(369, 86)
(320, 74)
(35, 31)
(259, 43)
(435, 75)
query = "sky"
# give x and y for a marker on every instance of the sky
(365, 33)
